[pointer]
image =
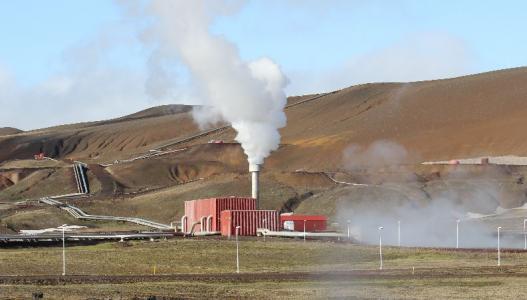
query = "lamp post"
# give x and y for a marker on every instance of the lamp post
(499, 252)
(63, 251)
(304, 231)
(524, 235)
(380, 247)
(265, 226)
(399, 233)
(237, 250)
(349, 235)
(457, 233)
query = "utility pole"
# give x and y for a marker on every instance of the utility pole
(457, 233)
(265, 227)
(380, 247)
(349, 233)
(499, 252)
(63, 251)
(399, 233)
(304, 231)
(524, 235)
(237, 250)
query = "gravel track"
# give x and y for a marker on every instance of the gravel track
(394, 274)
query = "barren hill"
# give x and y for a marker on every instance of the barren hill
(434, 120)
(149, 165)
(9, 130)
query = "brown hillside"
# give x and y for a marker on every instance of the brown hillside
(9, 131)
(98, 141)
(479, 115)
(467, 116)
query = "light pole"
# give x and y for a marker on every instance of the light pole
(237, 250)
(524, 235)
(304, 231)
(265, 226)
(457, 233)
(63, 251)
(349, 236)
(399, 233)
(380, 247)
(499, 252)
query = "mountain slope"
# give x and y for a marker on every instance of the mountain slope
(434, 120)
(9, 130)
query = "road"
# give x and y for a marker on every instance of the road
(396, 274)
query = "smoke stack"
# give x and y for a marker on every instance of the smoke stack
(255, 173)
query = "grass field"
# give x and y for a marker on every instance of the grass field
(409, 272)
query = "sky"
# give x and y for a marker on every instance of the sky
(65, 61)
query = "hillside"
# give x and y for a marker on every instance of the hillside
(328, 136)
(434, 120)
(9, 131)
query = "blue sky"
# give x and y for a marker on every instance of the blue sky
(320, 45)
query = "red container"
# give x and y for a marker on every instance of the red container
(211, 208)
(296, 222)
(249, 221)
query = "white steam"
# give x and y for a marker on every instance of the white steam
(248, 95)
(427, 209)
(379, 153)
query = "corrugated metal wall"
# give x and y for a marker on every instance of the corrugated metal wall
(313, 223)
(249, 221)
(196, 209)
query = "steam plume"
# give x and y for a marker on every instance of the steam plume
(428, 209)
(248, 95)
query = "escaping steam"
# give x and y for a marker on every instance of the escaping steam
(379, 153)
(426, 209)
(248, 95)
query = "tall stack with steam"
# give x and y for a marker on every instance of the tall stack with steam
(249, 95)
(254, 169)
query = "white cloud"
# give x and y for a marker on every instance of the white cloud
(93, 85)
(90, 86)
(421, 57)
(93, 94)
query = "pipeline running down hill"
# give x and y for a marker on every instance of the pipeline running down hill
(79, 214)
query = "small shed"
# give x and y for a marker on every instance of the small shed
(309, 223)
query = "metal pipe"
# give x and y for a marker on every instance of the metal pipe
(300, 234)
(82, 176)
(203, 224)
(77, 178)
(209, 223)
(184, 225)
(254, 169)
(194, 227)
(206, 233)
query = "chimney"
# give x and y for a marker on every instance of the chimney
(255, 173)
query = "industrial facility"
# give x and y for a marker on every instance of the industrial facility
(224, 215)
(215, 216)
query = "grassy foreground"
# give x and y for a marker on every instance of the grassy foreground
(206, 256)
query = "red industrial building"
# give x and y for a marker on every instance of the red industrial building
(207, 212)
(249, 221)
(297, 222)
(223, 215)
